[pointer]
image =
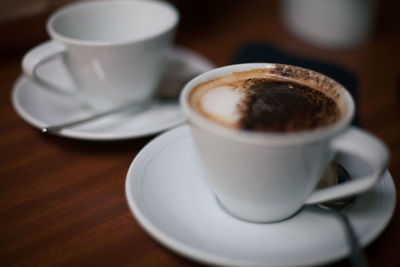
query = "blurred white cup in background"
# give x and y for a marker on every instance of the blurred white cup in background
(114, 50)
(335, 24)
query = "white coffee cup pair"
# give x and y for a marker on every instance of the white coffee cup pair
(114, 50)
(267, 177)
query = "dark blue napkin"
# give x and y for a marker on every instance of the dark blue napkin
(261, 52)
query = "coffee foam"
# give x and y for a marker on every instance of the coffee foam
(222, 102)
(219, 103)
(221, 99)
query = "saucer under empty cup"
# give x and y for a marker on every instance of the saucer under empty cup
(40, 107)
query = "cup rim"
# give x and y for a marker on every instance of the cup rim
(69, 40)
(268, 138)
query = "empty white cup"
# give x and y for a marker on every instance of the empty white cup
(114, 50)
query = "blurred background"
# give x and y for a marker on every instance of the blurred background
(360, 36)
(331, 24)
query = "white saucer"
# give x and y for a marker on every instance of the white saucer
(41, 107)
(173, 202)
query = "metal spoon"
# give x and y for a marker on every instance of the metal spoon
(357, 258)
(134, 107)
(167, 92)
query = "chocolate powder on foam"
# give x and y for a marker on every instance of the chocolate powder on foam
(281, 106)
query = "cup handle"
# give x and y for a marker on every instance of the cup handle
(361, 144)
(41, 54)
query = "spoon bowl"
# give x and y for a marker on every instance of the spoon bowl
(357, 258)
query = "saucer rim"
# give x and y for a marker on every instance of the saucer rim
(76, 133)
(174, 135)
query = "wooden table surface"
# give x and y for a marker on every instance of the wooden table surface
(62, 201)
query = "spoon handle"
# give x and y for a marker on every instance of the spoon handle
(357, 257)
(135, 107)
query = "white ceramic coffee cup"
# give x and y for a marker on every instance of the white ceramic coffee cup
(334, 24)
(266, 177)
(114, 50)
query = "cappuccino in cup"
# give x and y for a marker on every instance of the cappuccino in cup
(261, 101)
(266, 133)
